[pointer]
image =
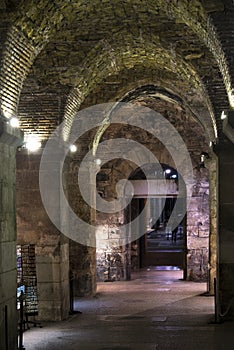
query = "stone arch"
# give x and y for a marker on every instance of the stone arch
(195, 249)
(35, 25)
(148, 90)
(149, 53)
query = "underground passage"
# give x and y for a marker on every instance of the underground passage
(117, 158)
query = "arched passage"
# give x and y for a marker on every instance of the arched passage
(50, 45)
(197, 221)
(163, 241)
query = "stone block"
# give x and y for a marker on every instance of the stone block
(49, 291)
(8, 285)
(8, 229)
(194, 242)
(64, 271)
(49, 310)
(52, 272)
(8, 309)
(8, 256)
(64, 248)
(48, 273)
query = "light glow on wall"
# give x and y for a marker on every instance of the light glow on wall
(73, 148)
(32, 143)
(14, 122)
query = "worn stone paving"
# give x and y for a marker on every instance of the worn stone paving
(155, 310)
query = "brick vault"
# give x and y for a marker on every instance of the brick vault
(58, 60)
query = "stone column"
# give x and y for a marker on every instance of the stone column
(212, 166)
(83, 256)
(34, 227)
(225, 244)
(9, 139)
(198, 228)
(52, 263)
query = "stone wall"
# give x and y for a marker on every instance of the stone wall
(111, 255)
(213, 194)
(82, 248)
(61, 263)
(9, 139)
(111, 252)
(225, 241)
(198, 228)
(52, 249)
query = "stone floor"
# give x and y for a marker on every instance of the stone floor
(156, 310)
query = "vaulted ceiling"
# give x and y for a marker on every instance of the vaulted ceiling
(59, 56)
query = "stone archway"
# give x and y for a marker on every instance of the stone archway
(163, 237)
(194, 256)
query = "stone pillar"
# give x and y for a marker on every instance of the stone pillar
(52, 274)
(83, 256)
(9, 139)
(83, 269)
(34, 227)
(198, 228)
(225, 245)
(212, 166)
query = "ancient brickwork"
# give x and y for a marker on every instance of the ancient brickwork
(18, 56)
(85, 58)
(82, 256)
(197, 227)
(52, 248)
(111, 252)
(58, 57)
(9, 140)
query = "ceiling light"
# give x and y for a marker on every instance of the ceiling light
(73, 148)
(32, 143)
(14, 122)
(98, 161)
(223, 115)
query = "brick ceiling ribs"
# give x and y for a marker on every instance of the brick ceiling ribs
(59, 55)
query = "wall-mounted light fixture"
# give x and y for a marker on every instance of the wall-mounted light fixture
(32, 143)
(14, 122)
(98, 161)
(73, 148)
(223, 115)
(203, 157)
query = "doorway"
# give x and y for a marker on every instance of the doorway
(162, 244)
(162, 227)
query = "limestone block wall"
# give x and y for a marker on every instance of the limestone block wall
(213, 194)
(52, 268)
(82, 269)
(52, 249)
(82, 256)
(9, 139)
(225, 241)
(111, 252)
(112, 256)
(198, 229)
